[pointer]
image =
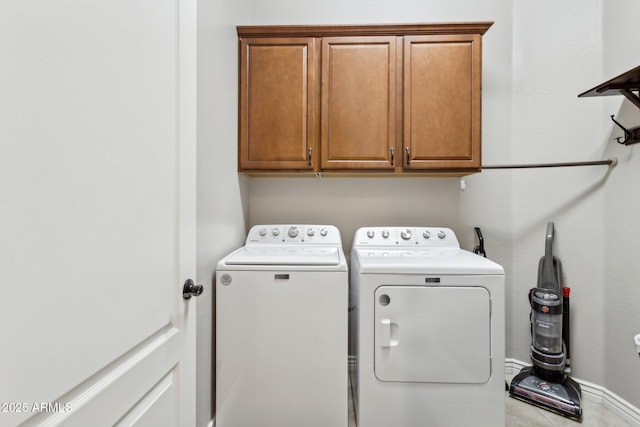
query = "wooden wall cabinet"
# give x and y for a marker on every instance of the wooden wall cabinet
(442, 102)
(400, 99)
(358, 115)
(278, 103)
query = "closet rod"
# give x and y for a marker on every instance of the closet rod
(609, 162)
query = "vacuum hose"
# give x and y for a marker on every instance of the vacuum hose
(566, 291)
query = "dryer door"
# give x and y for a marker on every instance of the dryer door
(433, 334)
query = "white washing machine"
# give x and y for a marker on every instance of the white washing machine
(427, 327)
(282, 329)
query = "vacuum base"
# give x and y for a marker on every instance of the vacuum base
(562, 398)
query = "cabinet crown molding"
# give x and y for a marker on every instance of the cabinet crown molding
(363, 30)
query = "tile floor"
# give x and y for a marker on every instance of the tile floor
(521, 414)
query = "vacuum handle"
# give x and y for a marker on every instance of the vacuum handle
(549, 239)
(548, 279)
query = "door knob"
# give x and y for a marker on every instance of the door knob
(191, 289)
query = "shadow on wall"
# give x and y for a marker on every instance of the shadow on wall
(566, 205)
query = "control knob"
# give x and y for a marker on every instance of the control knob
(370, 234)
(385, 233)
(276, 231)
(263, 232)
(310, 232)
(406, 234)
(293, 232)
(441, 234)
(323, 232)
(426, 234)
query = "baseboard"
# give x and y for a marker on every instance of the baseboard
(593, 393)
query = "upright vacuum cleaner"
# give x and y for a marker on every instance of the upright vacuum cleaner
(546, 383)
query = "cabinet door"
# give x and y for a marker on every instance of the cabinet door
(442, 101)
(278, 103)
(358, 120)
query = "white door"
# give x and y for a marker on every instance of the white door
(97, 212)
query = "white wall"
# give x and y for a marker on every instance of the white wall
(561, 50)
(558, 55)
(221, 191)
(621, 208)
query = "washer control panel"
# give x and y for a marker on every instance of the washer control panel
(420, 237)
(293, 233)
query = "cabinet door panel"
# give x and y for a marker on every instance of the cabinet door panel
(442, 102)
(358, 102)
(278, 103)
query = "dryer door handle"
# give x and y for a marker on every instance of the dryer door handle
(386, 338)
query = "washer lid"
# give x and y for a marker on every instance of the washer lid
(285, 255)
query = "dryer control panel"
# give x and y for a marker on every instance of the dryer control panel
(299, 234)
(417, 237)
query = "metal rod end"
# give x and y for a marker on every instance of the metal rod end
(614, 162)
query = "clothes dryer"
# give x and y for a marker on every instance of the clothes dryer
(427, 327)
(281, 329)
